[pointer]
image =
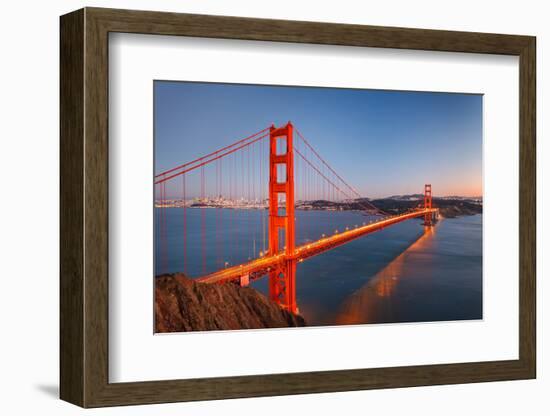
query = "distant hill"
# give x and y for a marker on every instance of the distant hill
(406, 197)
(448, 208)
(421, 196)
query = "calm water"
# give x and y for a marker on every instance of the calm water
(403, 273)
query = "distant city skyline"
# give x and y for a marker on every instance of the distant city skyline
(382, 142)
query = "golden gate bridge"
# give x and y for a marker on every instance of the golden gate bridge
(279, 167)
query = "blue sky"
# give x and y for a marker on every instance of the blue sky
(382, 142)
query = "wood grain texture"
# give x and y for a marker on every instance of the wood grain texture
(527, 207)
(71, 208)
(84, 207)
(96, 220)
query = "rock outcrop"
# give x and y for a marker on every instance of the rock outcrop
(182, 304)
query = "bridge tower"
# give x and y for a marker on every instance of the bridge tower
(282, 280)
(428, 218)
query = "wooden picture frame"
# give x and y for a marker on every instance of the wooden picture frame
(84, 207)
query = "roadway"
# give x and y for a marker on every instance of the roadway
(260, 266)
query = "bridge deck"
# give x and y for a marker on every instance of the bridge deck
(259, 267)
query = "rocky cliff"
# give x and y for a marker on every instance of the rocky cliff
(184, 305)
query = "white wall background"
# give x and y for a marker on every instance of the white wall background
(29, 159)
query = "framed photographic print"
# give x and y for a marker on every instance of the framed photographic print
(255, 207)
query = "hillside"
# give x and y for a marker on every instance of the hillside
(184, 305)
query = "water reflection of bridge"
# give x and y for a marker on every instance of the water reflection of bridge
(374, 301)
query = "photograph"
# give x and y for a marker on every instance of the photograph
(293, 206)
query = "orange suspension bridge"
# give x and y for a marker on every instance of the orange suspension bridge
(276, 171)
